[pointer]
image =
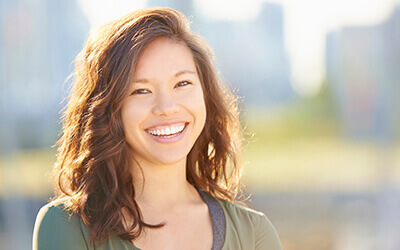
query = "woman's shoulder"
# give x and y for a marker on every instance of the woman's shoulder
(238, 210)
(252, 227)
(55, 212)
(57, 228)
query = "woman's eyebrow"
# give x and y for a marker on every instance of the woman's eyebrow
(185, 71)
(141, 80)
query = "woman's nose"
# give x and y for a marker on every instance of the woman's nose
(166, 105)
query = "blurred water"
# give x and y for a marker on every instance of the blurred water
(337, 221)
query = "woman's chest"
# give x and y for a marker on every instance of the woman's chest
(190, 231)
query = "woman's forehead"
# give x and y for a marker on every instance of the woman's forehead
(164, 58)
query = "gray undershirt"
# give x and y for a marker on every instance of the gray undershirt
(217, 217)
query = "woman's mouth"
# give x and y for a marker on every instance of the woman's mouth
(167, 131)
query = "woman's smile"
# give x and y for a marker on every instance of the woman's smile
(167, 133)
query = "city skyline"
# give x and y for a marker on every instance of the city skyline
(304, 37)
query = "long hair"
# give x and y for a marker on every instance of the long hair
(92, 167)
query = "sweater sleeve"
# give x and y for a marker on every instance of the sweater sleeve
(55, 229)
(267, 237)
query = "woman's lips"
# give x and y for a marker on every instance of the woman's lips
(167, 129)
(165, 133)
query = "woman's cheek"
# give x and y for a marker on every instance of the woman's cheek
(195, 103)
(194, 98)
(140, 106)
(135, 112)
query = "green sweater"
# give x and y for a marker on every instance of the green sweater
(245, 229)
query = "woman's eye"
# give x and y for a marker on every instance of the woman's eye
(140, 92)
(183, 83)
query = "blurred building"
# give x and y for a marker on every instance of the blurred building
(38, 42)
(252, 57)
(363, 72)
(184, 6)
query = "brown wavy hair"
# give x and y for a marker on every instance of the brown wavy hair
(92, 167)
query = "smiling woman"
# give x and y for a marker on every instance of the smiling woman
(149, 156)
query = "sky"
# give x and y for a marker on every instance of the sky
(306, 24)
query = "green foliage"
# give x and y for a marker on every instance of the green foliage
(309, 117)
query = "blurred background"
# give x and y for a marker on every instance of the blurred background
(320, 88)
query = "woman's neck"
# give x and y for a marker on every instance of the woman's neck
(165, 187)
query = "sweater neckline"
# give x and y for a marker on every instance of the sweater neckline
(217, 217)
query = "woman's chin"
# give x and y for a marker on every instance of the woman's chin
(170, 160)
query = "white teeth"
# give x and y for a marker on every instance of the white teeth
(173, 130)
(167, 130)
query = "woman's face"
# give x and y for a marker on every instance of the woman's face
(165, 111)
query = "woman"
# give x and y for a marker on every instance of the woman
(149, 153)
